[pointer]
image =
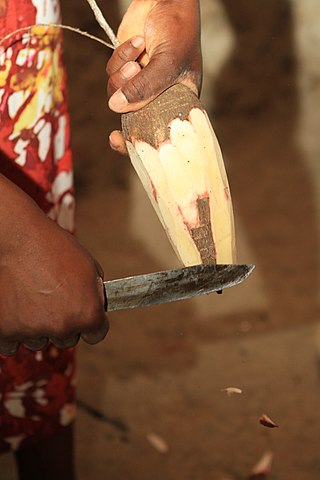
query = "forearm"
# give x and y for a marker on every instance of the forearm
(17, 209)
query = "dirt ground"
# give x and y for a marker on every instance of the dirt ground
(161, 370)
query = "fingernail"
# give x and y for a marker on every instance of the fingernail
(129, 69)
(137, 42)
(113, 145)
(118, 101)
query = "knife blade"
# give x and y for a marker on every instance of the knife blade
(172, 285)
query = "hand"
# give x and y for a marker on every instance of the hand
(161, 47)
(51, 288)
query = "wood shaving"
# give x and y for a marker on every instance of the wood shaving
(231, 391)
(263, 467)
(267, 422)
(158, 443)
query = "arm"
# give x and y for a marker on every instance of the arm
(51, 288)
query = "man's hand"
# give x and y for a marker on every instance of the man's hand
(161, 47)
(50, 287)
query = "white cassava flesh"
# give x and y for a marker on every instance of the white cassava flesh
(177, 157)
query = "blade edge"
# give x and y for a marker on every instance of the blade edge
(172, 285)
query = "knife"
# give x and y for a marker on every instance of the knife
(172, 285)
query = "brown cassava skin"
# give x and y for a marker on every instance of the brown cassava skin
(151, 124)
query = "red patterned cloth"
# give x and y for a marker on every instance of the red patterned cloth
(36, 389)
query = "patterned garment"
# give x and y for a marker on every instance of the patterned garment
(36, 389)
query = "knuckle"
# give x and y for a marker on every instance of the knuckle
(97, 334)
(66, 342)
(123, 53)
(137, 89)
(8, 349)
(36, 344)
(93, 317)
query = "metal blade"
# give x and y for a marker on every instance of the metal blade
(172, 285)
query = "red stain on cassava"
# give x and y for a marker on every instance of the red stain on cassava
(194, 204)
(185, 221)
(154, 191)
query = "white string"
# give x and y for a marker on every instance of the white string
(103, 23)
(56, 25)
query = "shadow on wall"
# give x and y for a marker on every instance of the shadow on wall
(256, 116)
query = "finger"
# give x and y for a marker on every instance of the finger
(63, 343)
(36, 344)
(153, 79)
(121, 76)
(102, 292)
(8, 349)
(126, 52)
(96, 335)
(117, 142)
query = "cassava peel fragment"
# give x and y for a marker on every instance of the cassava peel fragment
(266, 421)
(175, 153)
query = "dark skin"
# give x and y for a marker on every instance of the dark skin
(53, 277)
(51, 287)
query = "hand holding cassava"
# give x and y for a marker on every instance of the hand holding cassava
(162, 35)
(50, 286)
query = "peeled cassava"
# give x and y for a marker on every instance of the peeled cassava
(174, 151)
